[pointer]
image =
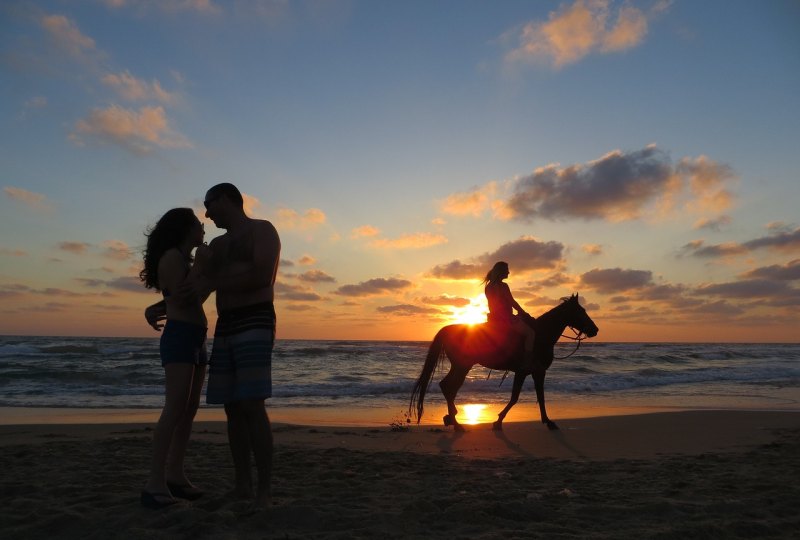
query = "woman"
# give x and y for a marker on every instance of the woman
(167, 266)
(501, 303)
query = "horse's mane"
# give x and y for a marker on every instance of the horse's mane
(547, 315)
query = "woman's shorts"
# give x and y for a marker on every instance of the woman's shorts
(183, 343)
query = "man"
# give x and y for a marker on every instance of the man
(243, 266)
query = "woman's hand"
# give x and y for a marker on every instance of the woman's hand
(202, 255)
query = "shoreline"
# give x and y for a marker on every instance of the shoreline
(626, 436)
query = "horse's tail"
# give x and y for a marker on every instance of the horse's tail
(436, 355)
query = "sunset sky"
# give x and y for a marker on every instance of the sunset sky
(645, 154)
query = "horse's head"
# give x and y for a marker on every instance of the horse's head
(577, 318)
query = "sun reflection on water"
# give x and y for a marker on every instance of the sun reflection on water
(474, 413)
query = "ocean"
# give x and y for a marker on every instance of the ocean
(81, 372)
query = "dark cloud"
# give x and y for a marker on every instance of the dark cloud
(787, 272)
(286, 263)
(715, 224)
(294, 292)
(697, 248)
(781, 240)
(749, 288)
(79, 248)
(615, 280)
(523, 254)
(408, 309)
(128, 283)
(374, 287)
(316, 276)
(444, 300)
(457, 270)
(617, 186)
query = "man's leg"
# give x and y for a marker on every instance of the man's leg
(260, 432)
(239, 441)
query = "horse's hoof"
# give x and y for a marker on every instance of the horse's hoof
(448, 420)
(458, 428)
(497, 426)
(551, 425)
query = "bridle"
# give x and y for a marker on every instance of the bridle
(577, 338)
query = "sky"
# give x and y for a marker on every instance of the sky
(644, 154)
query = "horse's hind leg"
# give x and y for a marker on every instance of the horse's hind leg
(450, 385)
(519, 379)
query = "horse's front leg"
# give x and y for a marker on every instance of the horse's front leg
(538, 383)
(519, 378)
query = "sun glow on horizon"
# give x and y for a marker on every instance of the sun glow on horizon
(472, 313)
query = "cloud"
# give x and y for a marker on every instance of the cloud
(697, 248)
(445, 300)
(294, 292)
(133, 89)
(592, 249)
(615, 280)
(473, 203)
(78, 248)
(716, 224)
(410, 241)
(749, 288)
(787, 272)
(117, 250)
(316, 276)
(780, 239)
(618, 187)
(407, 310)
(136, 131)
(306, 260)
(522, 255)
(13, 252)
(36, 201)
(374, 287)
(457, 270)
(36, 102)
(292, 220)
(575, 31)
(67, 37)
(128, 283)
(166, 6)
(365, 231)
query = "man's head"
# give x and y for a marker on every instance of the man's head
(222, 202)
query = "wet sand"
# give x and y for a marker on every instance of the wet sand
(691, 474)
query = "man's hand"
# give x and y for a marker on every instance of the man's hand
(155, 315)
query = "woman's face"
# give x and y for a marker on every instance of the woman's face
(197, 233)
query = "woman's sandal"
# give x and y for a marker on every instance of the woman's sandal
(149, 500)
(188, 491)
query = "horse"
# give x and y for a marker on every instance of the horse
(496, 347)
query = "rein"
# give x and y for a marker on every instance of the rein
(578, 338)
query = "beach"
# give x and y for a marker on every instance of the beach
(679, 474)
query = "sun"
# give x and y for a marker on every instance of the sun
(472, 313)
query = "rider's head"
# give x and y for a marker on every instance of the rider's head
(498, 272)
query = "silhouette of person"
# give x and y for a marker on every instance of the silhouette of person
(242, 272)
(167, 267)
(501, 306)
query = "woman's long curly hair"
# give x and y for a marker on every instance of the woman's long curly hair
(493, 275)
(168, 233)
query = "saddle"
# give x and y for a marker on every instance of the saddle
(491, 344)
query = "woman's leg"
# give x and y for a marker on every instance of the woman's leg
(175, 473)
(178, 377)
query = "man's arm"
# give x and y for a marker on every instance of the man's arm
(156, 314)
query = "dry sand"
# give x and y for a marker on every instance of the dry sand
(693, 474)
